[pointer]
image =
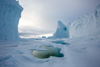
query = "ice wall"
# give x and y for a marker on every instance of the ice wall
(10, 13)
(62, 31)
(88, 25)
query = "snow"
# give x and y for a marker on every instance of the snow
(82, 52)
(62, 31)
(10, 13)
(87, 25)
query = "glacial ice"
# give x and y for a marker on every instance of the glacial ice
(62, 31)
(87, 25)
(10, 14)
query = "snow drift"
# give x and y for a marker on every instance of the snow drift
(10, 12)
(88, 25)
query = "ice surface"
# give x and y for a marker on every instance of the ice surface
(62, 31)
(82, 52)
(10, 12)
(60, 42)
(87, 25)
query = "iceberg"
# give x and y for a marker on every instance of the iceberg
(62, 31)
(87, 25)
(10, 13)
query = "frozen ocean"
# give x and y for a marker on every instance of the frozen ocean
(73, 45)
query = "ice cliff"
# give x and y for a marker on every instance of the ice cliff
(62, 31)
(10, 13)
(87, 25)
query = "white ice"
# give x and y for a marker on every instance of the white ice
(81, 52)
(78, 52)
(62, 31)
(10, 13)
(87, 25)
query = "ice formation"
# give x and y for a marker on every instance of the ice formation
(10, 13)
(88, 25)
(43, 36)
(62, 31)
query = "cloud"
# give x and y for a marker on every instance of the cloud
(42, 15)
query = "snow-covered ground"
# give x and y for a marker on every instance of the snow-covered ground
(78, 52)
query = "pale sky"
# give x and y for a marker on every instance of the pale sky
(40, 17)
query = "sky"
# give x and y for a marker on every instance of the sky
(39, 17)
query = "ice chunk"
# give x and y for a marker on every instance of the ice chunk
(62, 31)
(10, 13)
(43, 36)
